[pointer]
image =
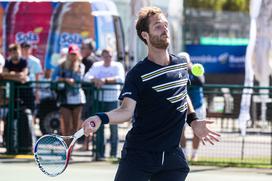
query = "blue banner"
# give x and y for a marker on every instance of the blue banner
(218, 59)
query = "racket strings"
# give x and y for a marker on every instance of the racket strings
(51, 155)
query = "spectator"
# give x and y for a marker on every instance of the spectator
(2, 96)
(88, 55)
(33, 63)
(71, 97)
(16, 69)
(105, 75)
(34, 73)
(195, 92)
(2, 63)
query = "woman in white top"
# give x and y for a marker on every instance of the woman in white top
(71, 95)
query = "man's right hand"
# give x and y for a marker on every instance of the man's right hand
(91, 125)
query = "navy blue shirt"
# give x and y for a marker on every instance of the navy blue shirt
(161, 106)
(19, 67)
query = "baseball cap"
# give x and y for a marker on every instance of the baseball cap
(25, 45)
(73, 49)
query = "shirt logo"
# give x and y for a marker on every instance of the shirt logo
(180, 75)
(126, 93)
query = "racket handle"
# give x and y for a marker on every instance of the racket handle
(79, 133)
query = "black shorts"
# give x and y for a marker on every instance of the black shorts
(136, 165)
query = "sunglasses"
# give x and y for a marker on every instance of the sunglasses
(12, 49)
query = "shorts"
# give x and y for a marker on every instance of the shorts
(139, 165)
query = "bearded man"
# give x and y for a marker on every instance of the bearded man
(155, 97)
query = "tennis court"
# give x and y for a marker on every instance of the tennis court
(12, 170)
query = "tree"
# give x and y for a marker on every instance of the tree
(219, 5)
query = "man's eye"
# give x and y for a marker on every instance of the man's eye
(158, 27)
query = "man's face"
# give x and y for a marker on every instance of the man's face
(107, 57)
(85, 50)
(14, 54)
(158, 31)
(26, 51)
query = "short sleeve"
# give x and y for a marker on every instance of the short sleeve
(132, 86)
(2, 61)
(38, 67)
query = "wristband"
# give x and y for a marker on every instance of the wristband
(104, 117)
(191, 117)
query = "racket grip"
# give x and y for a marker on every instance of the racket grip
(79, 133)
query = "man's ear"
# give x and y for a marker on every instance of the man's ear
(144, 35)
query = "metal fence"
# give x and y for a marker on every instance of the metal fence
(222, 102)
(223, 107)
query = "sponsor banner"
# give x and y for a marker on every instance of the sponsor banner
(218, 59)
(29, 22)
(105, 27)
(50, 27)
(73, 22)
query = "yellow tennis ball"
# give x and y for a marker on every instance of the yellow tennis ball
(197, 70)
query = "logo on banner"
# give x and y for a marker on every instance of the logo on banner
(29, 37)
(70, 38)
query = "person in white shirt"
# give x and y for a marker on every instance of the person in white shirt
(106, 75)
(2, 63)
(33, 65)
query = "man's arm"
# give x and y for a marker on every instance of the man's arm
(121, 114)
(1, 68)
(16, 76)
(124, 113)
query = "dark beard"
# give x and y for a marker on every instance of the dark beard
(15, 58)
(157, 42)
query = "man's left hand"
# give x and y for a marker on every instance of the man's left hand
(204, 133)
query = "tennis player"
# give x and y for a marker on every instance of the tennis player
(155, 97)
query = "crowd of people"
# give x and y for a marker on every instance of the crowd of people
(77, 65)
(80, 64)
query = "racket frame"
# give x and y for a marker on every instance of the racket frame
(68, 150)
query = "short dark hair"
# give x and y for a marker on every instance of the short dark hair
(107, 50)
(25, 45)
(90, 43)
(13, 46)
(142, 23)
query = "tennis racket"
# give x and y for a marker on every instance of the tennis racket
(52, 154)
